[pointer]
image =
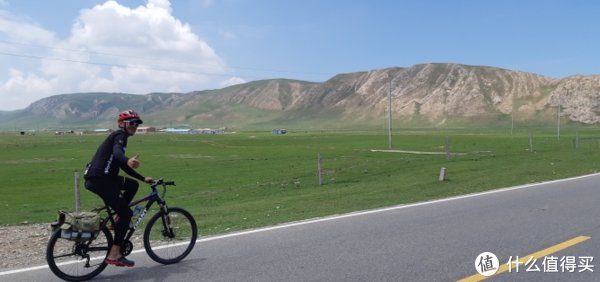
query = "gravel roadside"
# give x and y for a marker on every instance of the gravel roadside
(25, 245)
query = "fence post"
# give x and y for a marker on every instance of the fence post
(319, 169)
(530, 142)
(77, 199)
(447, 146)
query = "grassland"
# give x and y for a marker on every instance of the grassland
(251, 179)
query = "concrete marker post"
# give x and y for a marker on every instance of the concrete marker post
(443, 175)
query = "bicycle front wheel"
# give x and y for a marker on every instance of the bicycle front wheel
(170, 237)
(78, 260)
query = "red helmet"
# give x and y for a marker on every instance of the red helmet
(129, 115)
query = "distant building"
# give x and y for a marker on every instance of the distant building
(208, 131)
(64, 132)
(145, 129)
(279, 131)
(178, 130)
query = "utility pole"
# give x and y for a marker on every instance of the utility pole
(512, 116)
(390, 112)
(558, 118)
(512, 122)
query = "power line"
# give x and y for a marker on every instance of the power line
(111, 65)
(144, 59)
(131, 66)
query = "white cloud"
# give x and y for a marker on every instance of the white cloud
(21, 30)
(161, 4)
(26, 87)
(110, 48)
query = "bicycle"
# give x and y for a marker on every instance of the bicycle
(169, 237)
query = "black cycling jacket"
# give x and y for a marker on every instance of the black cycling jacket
(109, 157)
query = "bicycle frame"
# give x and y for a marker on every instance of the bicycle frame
(151, 198)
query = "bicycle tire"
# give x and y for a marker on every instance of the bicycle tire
(170, 249)
(66, 258)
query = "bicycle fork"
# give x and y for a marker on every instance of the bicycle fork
(166, 219)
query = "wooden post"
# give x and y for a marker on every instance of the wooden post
(447, 146)
(319, 169)
(530, 142)
(577, 139)
(77, 198)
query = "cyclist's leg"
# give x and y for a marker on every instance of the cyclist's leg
(121, 207)
(129, 188)
(109, 190)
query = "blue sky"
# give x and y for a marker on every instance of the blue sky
(141, 46)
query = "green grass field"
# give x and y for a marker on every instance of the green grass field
(245, 180)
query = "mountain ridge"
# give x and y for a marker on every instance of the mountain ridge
(434, 93)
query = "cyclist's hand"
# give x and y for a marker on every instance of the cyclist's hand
(149, 180)
(133, 162)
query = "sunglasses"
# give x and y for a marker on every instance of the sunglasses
(133, 123)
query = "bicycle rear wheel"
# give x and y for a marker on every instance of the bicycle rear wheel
(78, 261)
(170, 238)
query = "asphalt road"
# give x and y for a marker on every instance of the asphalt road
(431, 241)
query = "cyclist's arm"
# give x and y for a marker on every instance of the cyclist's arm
(119, 155)
(132, 172)
(119, 150)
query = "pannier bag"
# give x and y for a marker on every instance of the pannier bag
(78, 225)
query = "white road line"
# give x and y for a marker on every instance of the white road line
(353, 214)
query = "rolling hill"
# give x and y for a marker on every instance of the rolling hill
(426, 94)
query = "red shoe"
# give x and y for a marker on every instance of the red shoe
(122, 261)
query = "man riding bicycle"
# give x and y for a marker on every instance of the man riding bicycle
(102, 177)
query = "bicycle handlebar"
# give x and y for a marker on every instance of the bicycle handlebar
(160, 181)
